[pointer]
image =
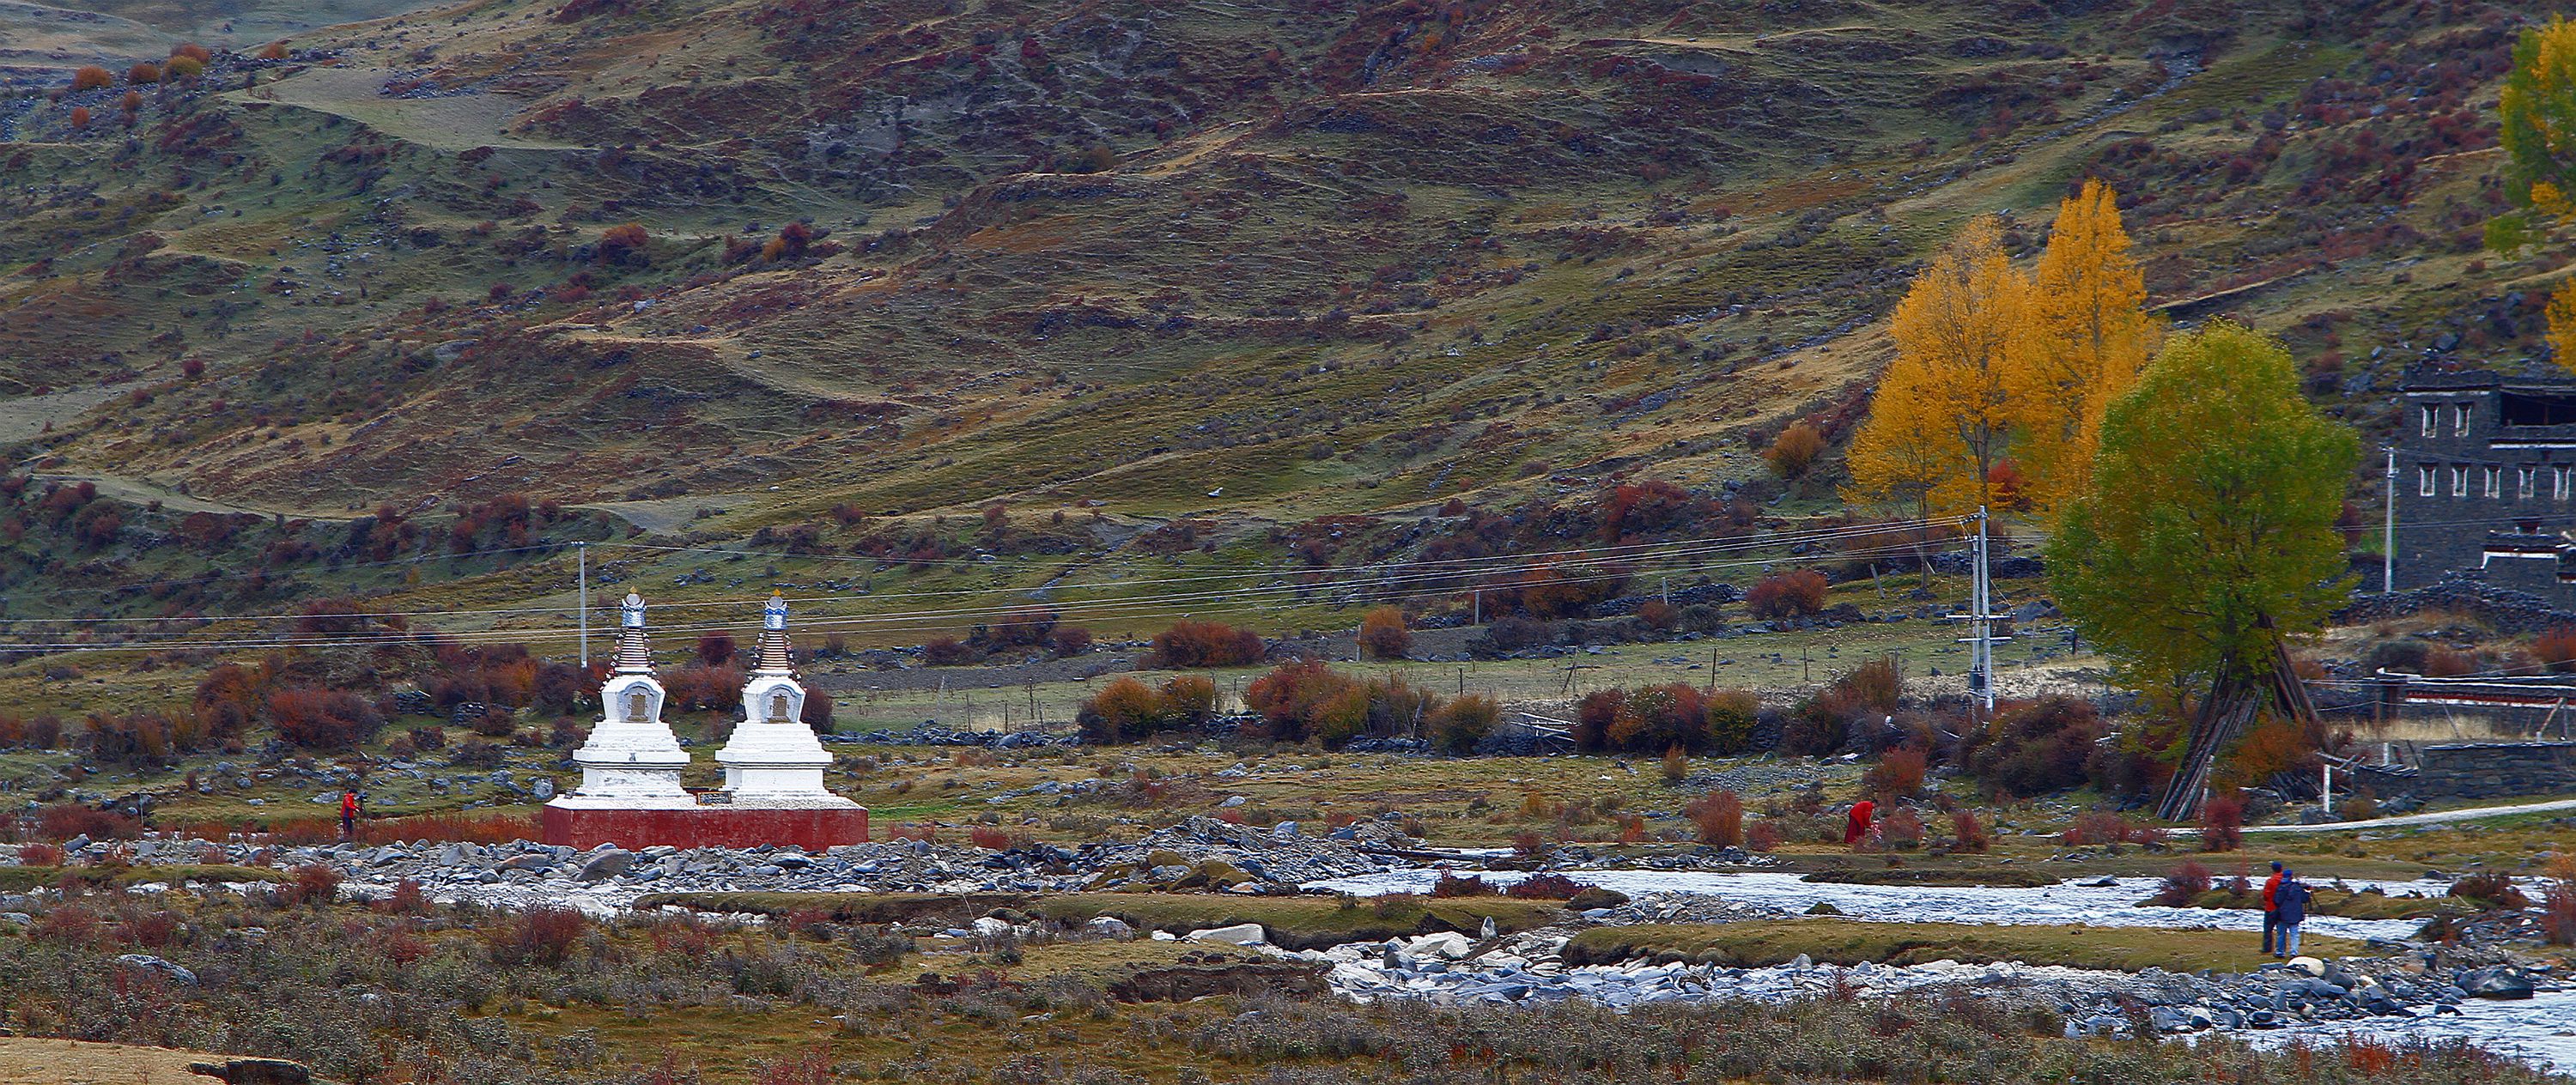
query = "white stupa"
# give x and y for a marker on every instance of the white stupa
(632, 760)
(773, 758)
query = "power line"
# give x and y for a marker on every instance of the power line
(1097, 610)
(1465, 567)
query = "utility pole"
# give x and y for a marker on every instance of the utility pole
(1981, 618)
(581, 553)
(2388, 535)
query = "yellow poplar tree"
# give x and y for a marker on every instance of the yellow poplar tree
(1942, 418)
(2089, 305)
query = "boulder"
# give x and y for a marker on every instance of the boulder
(1240, 934)
(184, 978)
(2501, 981)
(607, 864)
(1108, 926)
(254, 1072)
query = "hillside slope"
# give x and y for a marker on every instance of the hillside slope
(1154, 260)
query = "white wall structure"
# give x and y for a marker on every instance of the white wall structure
(632, 760)
(773, 759)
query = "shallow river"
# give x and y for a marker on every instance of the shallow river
(2542, 1029)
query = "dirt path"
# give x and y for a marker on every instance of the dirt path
(2439, 817)
(31, 1061)
(139, 492)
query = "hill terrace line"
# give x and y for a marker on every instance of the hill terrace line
(630, 793)
(2483, 461)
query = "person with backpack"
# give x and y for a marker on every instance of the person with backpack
(2292, 902)
(349, 814)
(2271, 911)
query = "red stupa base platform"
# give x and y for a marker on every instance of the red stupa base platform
(704, 827)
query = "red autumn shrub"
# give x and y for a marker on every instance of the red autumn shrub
(1898, 774)
(2183, 884)
(312, 883)
(1970, 834)
(2222, 822)
(1545, 887)
(319, 719)
(58, 823)
(1762, 836)
(1461, 885)
(1902, 829)
(92, 77)
(1719, 818)
(947, 652)
(545, 934)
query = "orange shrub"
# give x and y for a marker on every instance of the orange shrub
(80, 116)
(275, 50)
(2556, 648)
(92, 77)
(192, 51)
(1193, 642)
(143, 73)
(617, 242)
(1794, 594)
(1383, 635)
(1795, 449)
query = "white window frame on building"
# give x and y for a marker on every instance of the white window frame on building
(2495, 482)
(2522, 484)
(2432, 420)
(2560, 493)
(2428, 481)
(2459, 481)
(2459, 419)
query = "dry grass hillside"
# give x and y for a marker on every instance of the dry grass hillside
(816, 278)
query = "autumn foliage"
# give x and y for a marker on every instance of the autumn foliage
(1793, 594)
(1383, 635)
(1193, 642)
(1126, 709)
(92, 77)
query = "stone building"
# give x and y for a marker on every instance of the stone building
(2484, 484)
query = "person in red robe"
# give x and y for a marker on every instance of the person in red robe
(1862, 814)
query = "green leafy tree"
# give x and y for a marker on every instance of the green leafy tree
(2208, 531)
(2536, 124)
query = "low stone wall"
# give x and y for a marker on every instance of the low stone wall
(2481, 770)
(2508, 611)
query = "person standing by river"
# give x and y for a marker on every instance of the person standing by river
(2272, 912)
(2291, 903)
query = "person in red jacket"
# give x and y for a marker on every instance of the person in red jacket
(1860, 823)
(349, 814)
(2272, 909)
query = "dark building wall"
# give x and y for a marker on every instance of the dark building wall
(2479, 455)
